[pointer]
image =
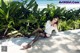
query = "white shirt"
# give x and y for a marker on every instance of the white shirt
(49, 28)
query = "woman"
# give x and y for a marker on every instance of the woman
(49, 27)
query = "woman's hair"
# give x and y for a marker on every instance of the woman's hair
(51, 19)
(54, 18)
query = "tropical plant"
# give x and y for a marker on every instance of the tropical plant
(25, 16)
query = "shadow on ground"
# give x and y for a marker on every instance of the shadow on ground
(66, 42)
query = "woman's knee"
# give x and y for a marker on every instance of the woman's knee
(42, 34)
(39, 29)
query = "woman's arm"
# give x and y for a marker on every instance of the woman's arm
(55, 27)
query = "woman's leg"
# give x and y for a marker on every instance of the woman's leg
(39, 33)
(37, 37)
(33, 41)
(36, 31)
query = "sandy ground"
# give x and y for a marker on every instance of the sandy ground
(64, 42)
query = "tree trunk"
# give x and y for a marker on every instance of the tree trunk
(5, 32)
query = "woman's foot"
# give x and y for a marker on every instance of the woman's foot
(26, 47)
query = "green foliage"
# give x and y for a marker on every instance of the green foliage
(63, 25)
(69, 25)
(25, 16)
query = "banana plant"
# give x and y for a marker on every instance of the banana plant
(4, 14)
(8, 14)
